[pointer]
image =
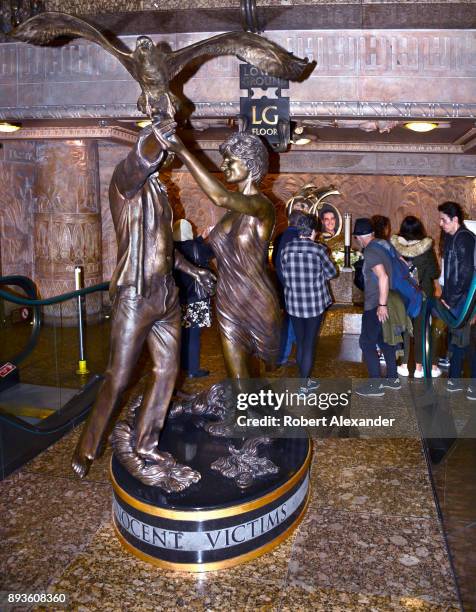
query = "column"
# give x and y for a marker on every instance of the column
(67, 223)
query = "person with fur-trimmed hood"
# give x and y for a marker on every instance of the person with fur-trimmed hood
(417, 249)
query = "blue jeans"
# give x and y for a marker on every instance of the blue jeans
(288, 338)
(306, 331)
(371, 335)
(458, 354)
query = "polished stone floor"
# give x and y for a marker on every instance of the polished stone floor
(371, 539)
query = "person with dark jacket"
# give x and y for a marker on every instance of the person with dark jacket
(194, 302)
(417, 249)
(288, 336)
(458, 254)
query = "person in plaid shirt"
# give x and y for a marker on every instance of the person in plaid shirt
(306, 269)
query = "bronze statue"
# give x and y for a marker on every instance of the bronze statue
(247, 305)
(153, 66)
(145, 311)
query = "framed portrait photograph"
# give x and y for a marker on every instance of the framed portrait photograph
(330, 222)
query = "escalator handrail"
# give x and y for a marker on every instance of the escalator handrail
(29, 287)
(11, 280)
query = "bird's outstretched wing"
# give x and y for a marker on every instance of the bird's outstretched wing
(268, 56)
(46, 27)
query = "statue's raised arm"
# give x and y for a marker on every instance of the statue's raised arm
(245, 161)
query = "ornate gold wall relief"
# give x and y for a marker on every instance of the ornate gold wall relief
(362, 195)
(392, 196)
(17, 175)
(67, 221)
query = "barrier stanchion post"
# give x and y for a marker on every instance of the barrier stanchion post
(347, 239)
(78, 283)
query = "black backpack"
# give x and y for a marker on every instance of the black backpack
(359, 280)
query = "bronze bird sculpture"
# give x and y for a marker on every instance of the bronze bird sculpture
(154, 66)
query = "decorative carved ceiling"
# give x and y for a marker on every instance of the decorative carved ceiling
(162, 16)
(380, 76)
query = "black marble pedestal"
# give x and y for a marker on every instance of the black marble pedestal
(213, 524)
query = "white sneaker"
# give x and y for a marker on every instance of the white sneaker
(403, 370)
(454, 385)
(435, 372)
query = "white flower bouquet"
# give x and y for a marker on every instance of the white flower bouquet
(338, 257)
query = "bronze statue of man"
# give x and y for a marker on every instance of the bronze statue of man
(247, 304)
(145, 303)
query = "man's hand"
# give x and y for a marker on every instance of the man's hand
(168, 139)
(382, 313)
(207, 280)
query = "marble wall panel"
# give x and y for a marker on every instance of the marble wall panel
(427, 67)
(92, 7)
(107, 6)
(362, 195)
(67, 221)
(392, 196)
(8, 60)
(17, 177)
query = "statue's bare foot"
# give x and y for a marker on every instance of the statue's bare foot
(154, 455)
(80, 464)
(84, 453)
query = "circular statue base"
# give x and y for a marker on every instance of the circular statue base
(214, 524)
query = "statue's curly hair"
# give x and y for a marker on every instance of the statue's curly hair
(251, 150)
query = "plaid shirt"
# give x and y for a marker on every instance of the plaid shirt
(306, 269)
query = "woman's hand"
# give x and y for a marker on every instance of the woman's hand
(207, 279)
(168, 139)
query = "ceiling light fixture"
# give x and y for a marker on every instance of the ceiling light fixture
(421, 126)
(143, 123)
(9, 127)
(301, 141)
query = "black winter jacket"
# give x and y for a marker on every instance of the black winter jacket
(459, 265)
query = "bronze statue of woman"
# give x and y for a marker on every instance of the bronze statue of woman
(247, 304)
